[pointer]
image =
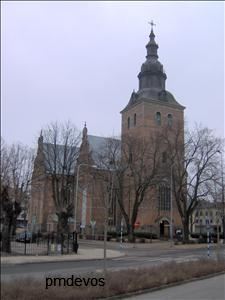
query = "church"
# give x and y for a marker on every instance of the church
(149, 111)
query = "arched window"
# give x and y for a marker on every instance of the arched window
(128, 122)
(170, 120)
(164, 197)
(158, 118)
(135, 119)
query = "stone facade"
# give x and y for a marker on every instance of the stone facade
(149, 111)
(152, 111)
(90, 204)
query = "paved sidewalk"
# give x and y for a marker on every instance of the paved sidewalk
(207, 289)
(83, 254)
(155, 245)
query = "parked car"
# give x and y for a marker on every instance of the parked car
(20, 226)
(21, 237)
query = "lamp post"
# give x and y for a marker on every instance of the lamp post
(76, 194)
(107, 206)
(171, 205)
(223, 204)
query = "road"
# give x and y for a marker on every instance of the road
(207, 289)
(139, 256)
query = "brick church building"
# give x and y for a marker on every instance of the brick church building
(149, 111)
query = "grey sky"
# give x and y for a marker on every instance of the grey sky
(80, 61)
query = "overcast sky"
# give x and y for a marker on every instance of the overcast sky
(79, 61)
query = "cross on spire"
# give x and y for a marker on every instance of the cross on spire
(152, 24)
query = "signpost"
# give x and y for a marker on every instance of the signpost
(121, 233)
(208, 245)
(93, 223)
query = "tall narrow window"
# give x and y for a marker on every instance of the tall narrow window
(158, 118)
(164, 157)
(164, 197)
(128, 122)
(170, 120)
(135, 119)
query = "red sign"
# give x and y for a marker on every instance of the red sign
(137, 224)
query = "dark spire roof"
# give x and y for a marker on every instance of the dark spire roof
(40, 139)
(152, 47)
(152, 75)
(152, 78)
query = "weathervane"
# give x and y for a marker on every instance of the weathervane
(152, 24)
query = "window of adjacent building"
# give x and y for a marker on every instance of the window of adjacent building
(196, 214)
(164, 197)
(196, 221)
(206, 213)
(200, 213)
(135, 119)
(170, 120)
(130, 157)
(128, 122)
(158, 118)
(164, 157)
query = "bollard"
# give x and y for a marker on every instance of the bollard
(75, 243)
(48, 243)
(121, 234)
(25, 243)
(208, 252)
(68, 243)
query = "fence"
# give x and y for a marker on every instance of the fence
(38, 244)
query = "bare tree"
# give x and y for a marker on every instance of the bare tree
(60, 150)
(139, 159)
(194, 167)
(216, 194)
(16, 170)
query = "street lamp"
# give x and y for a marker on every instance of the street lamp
(223, 212)
(108, 204)
(171, 205)
(76, 195)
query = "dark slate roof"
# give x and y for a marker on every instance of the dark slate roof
(205, 204)
(99, 147)
(55, 157)
(58, 157)
(152, 95)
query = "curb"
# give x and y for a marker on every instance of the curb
(53, 259)
(164, 286)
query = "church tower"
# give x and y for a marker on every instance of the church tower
(152, 106)
(150, 111)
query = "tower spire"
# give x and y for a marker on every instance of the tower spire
(85, 131)
(41, 138)
(152, 47)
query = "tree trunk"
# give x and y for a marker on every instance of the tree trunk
(62, 228)
(6, 236)
(131, 234)
(186, 230)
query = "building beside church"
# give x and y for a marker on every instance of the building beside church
(149, 111)
(207, 216)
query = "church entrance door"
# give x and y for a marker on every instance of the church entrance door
(164, 229)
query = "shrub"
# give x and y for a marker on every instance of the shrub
(146, 235)
(117, 282)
